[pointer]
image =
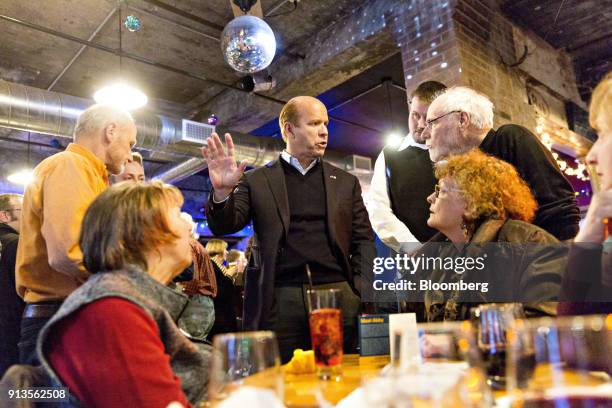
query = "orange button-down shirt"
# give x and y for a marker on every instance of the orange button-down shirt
(49, 260)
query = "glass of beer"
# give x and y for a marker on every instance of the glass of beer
(326, 334)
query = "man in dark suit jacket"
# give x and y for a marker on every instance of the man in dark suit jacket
(305, 212)
(11, 305)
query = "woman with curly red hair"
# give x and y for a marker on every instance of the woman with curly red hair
(481, 200)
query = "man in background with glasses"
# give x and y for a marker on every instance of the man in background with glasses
(11, 305)
(461, 119)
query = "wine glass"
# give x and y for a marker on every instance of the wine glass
(248, 358)
(561, 362)
(492, 322)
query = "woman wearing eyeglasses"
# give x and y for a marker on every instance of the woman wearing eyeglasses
(482, 209)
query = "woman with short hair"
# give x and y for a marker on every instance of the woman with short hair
(114, 341)
(483, 208)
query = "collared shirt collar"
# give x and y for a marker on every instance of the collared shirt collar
(408, 140)
(93, 159)
(296, 163)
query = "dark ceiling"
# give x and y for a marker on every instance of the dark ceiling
(363, 110)
(179, 45)
(182, 35)
(582, 27)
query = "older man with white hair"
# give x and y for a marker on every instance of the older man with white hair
(461, 119)
(49, 260)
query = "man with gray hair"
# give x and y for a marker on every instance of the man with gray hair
(49, 259)
(461, 119)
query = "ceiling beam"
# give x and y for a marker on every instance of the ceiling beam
(350, 44)
(116, 51)
(183, 13)
(80, 51)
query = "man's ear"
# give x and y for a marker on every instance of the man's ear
(4, 217)
(464, 120)
(110, 132)
(288, 130)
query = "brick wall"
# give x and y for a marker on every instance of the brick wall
(463, 42)
(485, 37)
(424, 32)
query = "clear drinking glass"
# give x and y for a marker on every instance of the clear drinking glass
(561, 362)
(492, 322)
(450, 374)
(249, 358)
(326, 332)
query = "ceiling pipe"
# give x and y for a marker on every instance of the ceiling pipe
(35, 110)
(181, 171)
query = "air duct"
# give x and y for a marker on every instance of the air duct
(181, 171)
(35, 110)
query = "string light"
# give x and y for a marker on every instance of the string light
(580, 171)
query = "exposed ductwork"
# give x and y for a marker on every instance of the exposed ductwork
(181, 171)
(35, 110)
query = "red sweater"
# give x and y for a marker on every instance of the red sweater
(109, 354)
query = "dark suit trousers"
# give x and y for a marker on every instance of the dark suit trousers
(289, 319)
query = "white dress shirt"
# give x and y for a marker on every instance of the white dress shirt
(286, 156)
(387, 226)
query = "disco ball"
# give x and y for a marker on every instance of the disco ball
(132, 23)
(248, 44)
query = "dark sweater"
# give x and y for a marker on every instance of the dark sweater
(11, 305)
(558, 211)
(410, 180)
(586, 283)
(307, 241)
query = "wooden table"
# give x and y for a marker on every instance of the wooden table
(301, 390)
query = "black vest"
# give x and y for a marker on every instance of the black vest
(410, 180)
(307, 240)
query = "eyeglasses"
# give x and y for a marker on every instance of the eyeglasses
(438, 190)
(430, 122)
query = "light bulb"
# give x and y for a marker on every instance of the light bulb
(394, 140)
(23, 177)
(121, 96)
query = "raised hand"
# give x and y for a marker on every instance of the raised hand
(222, 168)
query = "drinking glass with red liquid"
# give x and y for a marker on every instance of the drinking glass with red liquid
(326, 332)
